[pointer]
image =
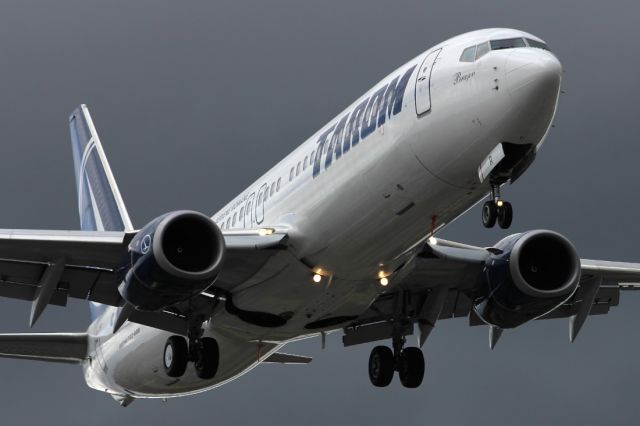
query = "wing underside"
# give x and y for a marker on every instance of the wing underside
(48, 267)
(441, 283)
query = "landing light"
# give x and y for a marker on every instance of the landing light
(317, 278)
(433, 241)
(499, 203)
(266, 231)
(384, 281)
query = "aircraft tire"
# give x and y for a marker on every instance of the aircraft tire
(411, 367)
(207, 358)
(176, 356)
(489, 214)
(505, 215)
(381, 366)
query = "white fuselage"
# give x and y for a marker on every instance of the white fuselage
(354, 198)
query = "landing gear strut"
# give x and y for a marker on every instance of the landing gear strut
(497, 210)
(408, 362)
(203, 351)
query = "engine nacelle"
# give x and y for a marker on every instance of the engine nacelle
(173, 258)
(530, 275)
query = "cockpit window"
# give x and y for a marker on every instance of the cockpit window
(483, 49)
(473, 53)
(468, 54)
(507, 43)
(537, 44)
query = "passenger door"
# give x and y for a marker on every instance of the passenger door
(423, 83)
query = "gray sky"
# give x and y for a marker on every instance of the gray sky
(194, 100)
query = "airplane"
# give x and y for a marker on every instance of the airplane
(341, 235)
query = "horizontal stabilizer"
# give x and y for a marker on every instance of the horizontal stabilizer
(282, 358)
(52, 347)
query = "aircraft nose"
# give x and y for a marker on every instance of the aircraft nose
(533, 79)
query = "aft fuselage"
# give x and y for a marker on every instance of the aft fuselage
(393, 168)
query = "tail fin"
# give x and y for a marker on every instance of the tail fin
(99, 201)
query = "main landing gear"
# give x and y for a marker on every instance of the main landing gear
(203, 351)
(498, 210)
(408, 362)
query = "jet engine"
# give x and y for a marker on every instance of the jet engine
(527, 276)
(173, 258)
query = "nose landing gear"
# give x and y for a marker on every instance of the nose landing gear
(497, 210)
(408, 362)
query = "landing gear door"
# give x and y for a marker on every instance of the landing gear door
(423, 83)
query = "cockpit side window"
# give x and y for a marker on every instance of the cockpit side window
(483, 49)
(468, 54)
(507, 43)
(537, 44)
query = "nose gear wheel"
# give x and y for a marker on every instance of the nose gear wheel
(497, 210)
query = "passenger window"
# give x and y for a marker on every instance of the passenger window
(241, 213)
(483, 49)
(291, 175)
(298, 169)
(266, 193)
(507, 43)
(278, 184)
(272, 190)
(304, 167)
(468, 54)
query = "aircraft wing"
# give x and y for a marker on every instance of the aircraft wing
(48, 267)
(440, 284)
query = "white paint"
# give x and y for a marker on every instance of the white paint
(362, 214)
